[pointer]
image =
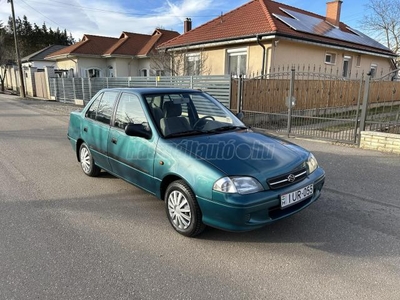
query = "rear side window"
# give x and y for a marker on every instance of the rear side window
(129, 110)
(92, 111)
(102, 108)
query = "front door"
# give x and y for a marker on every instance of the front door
(131, 157)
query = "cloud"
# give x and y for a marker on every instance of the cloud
(108, 18)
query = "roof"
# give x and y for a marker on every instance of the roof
(42, 53)
(128, 44)
(269, 18)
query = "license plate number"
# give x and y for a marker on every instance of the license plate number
(296, 196)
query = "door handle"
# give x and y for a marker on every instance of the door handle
(85, 129)
(114, 141)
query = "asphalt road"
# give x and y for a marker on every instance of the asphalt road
(64, 235)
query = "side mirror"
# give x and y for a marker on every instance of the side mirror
(240, 115)
(140, 130)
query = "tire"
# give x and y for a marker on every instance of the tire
(87, 163)
(182, 209)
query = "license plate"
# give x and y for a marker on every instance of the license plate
(296, 196)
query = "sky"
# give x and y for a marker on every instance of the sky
(111, 18)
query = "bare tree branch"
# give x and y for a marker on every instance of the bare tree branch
(383, 21)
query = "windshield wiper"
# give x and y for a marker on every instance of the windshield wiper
(226, 128)
(183, 133)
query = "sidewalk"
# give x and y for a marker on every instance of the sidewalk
(47, 105)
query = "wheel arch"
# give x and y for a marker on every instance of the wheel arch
(167, 180)
(79, 142)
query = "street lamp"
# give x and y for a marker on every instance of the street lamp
(21, 73)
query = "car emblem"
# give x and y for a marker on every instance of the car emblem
(291, 178)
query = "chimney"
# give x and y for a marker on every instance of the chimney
(333, 9)
(187, 25)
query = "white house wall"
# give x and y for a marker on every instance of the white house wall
(39, 64)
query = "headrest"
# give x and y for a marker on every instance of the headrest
(171, 109)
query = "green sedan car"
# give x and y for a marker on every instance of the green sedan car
(187, 149)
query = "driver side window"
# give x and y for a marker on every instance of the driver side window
(129, 110)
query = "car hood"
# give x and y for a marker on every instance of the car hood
(244, 153)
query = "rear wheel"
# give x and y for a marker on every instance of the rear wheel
(87, 163)
(182, 209)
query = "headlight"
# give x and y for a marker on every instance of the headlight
(311, 164)
(241, 185)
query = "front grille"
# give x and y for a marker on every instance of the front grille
(287, 179)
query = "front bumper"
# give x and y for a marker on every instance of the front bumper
(234, 212)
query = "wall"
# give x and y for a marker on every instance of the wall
(39, 64)
(385, 142)
(289, 52)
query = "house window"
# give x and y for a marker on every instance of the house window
(158, 72)
(346, 66)
(358, 61)
(144, 73)
(237, 61)
(330, 58)
(373, 69)
(192, 64)
(94, 72)
(110, 71)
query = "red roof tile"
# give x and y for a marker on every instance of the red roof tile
(127, 44)
(259, 17)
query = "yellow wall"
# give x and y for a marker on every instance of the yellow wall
(285, 53)
(288, 53)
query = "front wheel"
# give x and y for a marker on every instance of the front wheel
(87, 163)
(182, 209)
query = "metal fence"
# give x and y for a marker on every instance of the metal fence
(318, 104)
(68, 90)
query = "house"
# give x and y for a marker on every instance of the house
(100, 56)
(263, 34)
(38, 59)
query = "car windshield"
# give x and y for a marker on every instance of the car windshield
(190, 113)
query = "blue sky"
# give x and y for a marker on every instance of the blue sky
(110, 18)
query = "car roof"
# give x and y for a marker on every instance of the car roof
(154, 90)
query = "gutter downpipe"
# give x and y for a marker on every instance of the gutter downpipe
(263, 58)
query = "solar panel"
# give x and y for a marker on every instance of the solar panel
(313, 25)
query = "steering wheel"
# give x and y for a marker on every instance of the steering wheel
(202, 119)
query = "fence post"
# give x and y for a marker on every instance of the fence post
(191, 82)
(239, 95)
(83, 89)
(358, 109)
(291, 96)
(365, 104)
(107, 81)
(63, 85)
(55, 88)
(90, 88)
(73, 87)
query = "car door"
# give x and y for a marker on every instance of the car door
(96, 127)
(131, 157)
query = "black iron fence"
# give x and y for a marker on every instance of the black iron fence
(321, 105)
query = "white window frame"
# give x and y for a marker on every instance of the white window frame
(196, 58)
(332, 60)
(236, 52)
(347, 72)
(93, 68)
(373, 70)
(358, 60)
(144, 72)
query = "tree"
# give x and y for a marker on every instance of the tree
(180, 62)
(383, 21)
(4, 55)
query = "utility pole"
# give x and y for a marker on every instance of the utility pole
(21, 71)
